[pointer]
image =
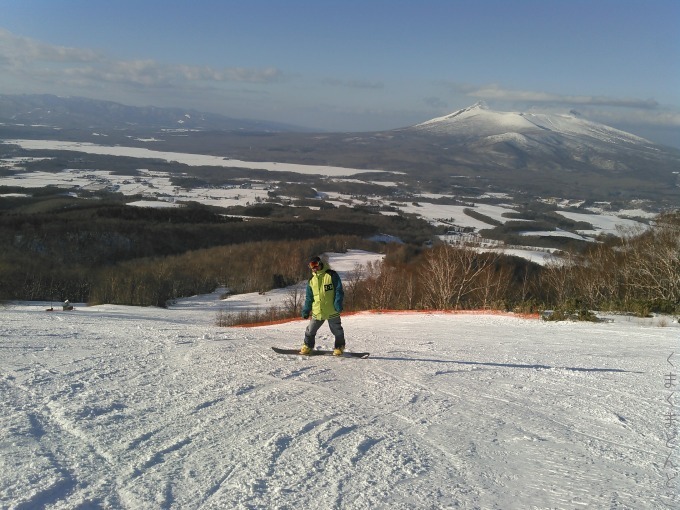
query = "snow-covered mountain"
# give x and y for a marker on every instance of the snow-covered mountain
(549, 153)
(471, 151)
(480, 122)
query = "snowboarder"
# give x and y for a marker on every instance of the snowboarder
(323, 302)
(67, 305)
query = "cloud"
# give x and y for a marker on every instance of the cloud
(14, 48)
(149, 73)
(496, 92)
(625, 113)
(32, 59)
(662, 117)
(355, 84)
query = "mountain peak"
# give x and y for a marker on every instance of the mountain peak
(479, 122)
(475, 118)
(479, 105)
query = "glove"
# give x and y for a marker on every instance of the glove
(305, 315)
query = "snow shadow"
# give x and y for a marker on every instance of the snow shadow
(506, 365)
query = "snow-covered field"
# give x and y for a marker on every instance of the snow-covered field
(604, 223)
(118, 407)
(158, 190)
(183, 158)
(157, 184)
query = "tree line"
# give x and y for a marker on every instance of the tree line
(56, 246)
(637, 272)
(116, 259)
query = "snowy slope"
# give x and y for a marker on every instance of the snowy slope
(481, 122)
(478, 120)
(118, 407)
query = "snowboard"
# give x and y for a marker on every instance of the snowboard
(319, 352)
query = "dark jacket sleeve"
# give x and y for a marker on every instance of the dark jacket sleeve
(339, 293)
(309, 298)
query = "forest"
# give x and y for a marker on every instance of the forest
(107, 252)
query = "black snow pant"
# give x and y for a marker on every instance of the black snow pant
(336, 328)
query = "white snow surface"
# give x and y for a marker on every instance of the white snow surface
(479, 120)
(541, 256)
(183, 158)
(477, 116)
(605, 223)
(554, 233)
(120, 407)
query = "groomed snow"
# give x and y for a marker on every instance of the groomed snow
(119, 407)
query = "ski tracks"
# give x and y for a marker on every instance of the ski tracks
(83, 429)
(366, 454)
(486, 405)
(155, 414)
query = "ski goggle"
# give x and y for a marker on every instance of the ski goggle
(314, 266)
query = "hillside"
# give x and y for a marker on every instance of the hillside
(532, 184)
(120, 407)
(82, 113)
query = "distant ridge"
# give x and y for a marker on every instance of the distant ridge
(84, 113)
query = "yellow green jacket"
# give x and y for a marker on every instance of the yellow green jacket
(324, 295)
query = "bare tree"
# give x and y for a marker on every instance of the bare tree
(653, 261)
(350, 285)
(557, 278)
(295, 298)
(451, 274)
(380, 286)
(410, 288)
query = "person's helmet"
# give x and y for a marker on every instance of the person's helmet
(315, 263)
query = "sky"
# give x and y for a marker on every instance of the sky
(355, 65)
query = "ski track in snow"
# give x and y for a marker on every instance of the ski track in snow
(117, 407)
